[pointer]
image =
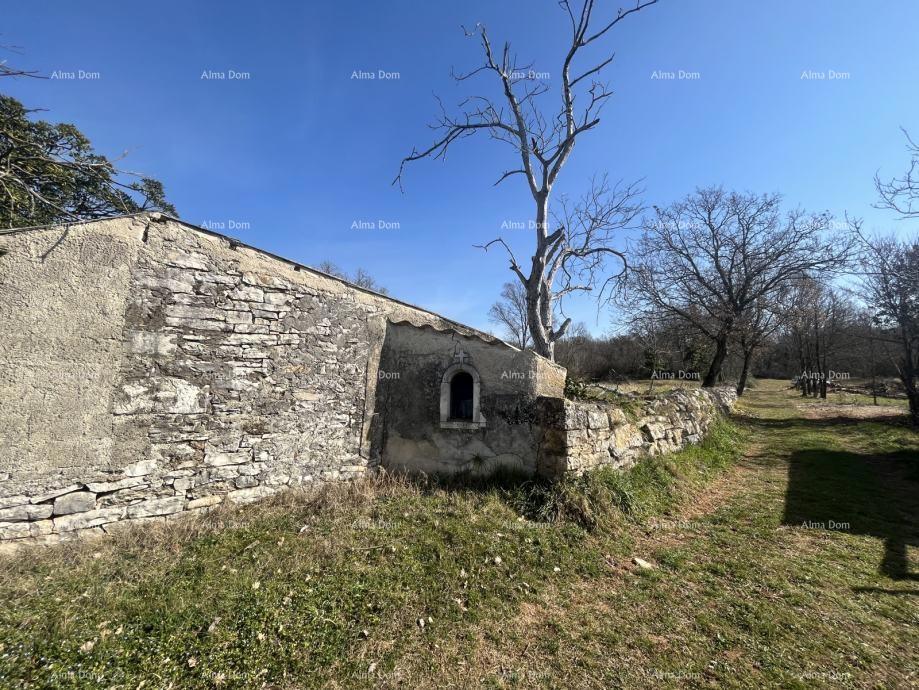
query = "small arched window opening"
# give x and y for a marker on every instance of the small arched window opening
(461, 396)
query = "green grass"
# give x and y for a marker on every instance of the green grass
(866, 399)
(520, 584)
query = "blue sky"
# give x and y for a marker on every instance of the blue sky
(300, 150)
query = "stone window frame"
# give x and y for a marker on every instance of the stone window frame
(478, 420)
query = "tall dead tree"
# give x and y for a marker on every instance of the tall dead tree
(710, 258)
(566, 258)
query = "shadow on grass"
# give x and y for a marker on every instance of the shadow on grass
(866, 494)
(803, 423)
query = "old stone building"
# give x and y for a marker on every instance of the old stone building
(149, 367)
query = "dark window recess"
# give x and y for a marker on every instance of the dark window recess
(461, 396)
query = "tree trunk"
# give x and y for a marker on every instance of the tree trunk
(742, 382)
(908, 377)
(541, 343)
(913, 396)
(721, 353)
(539, 295)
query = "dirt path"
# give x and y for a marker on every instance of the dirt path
(733, 522)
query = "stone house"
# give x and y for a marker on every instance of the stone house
(149, 367)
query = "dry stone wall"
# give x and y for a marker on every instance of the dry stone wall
(206, 371)
(580, 435)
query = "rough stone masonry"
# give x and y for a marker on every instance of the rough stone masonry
(149, 369)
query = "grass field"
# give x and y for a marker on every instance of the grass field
(783, 553)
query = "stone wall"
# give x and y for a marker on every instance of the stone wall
(149, 368)
(581, 435)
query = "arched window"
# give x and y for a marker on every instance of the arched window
(459, 398)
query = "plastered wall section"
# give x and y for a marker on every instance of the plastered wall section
(62, 304)
(413, 365)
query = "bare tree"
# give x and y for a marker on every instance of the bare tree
(7, 70)
(510, 312)
(710, 258)
(890, 287)
(361, 278)
(542, 139)
(796, 321)
(901, 194)
(829, 316)
(759, 323)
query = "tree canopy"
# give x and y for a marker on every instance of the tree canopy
(50, 173)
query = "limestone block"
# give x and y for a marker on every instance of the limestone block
(140, 468)
(25, 530)
(156, 506)
(220, 458)
(653, 430)
(159, 394)
(183, 260)
(25, 513)
(150, 343)
(597, 419)
(238, 317)
(221, 472)
(9, 501)
(106, 487)
(217, 278)
(250, 495)
(204, 502)
(48, 495)
(624, 436)
(183, 484)
(250, 278)
(76, 502)
(250, 339)
(277, 479)
(92, 518)
(195, 312)
(277, 298)
(248, 293)
(198, 324)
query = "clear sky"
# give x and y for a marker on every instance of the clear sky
(298, 151)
